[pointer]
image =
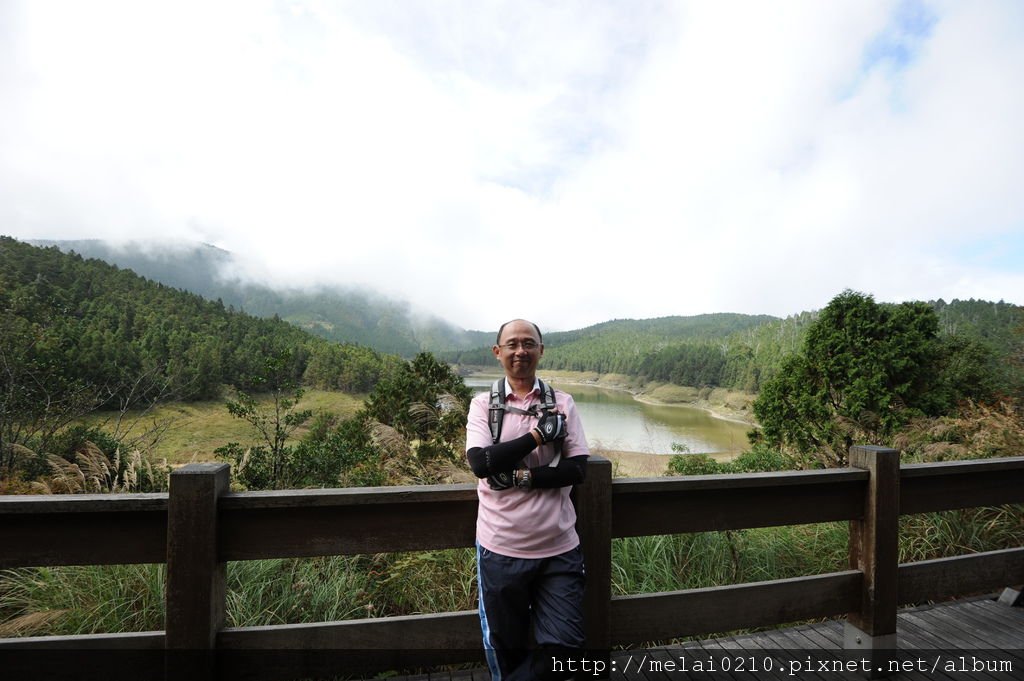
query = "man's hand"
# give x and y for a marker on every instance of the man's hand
(551, 427)
(500, 481)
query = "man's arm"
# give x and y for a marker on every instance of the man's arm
(572, 468)
(569, 471)
(502, 457)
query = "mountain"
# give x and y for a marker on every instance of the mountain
(728, 350)
(72, 328)
(347, 315)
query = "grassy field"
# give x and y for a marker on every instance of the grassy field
(191, 431)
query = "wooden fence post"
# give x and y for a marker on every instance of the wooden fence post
(594, 526)
(196, 578)
(874, 550)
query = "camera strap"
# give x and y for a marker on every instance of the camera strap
(496, 410)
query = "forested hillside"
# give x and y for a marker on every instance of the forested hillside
(77, 335)
(743, 352)
(346, 315)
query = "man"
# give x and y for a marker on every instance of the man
(529, 562)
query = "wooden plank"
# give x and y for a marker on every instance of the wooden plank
(1013, 615)
(959, 575)
(932, 635)
(962, 629)
(936, 628)
(721, 502)
(196, 578)
(452, 630)
(997, 633)
(90, 538)
(292, 532)
(915, 641)
(141, 640)
(735, 664)
(654, 617)
(755, 664)
(594, 526)
(348, 496)
(117, 657)
(961, 484)
(963, 470)
(796, 640)
(370, 646)
(31, 504)
(874, 541)
(1002, 625)
(765, 650)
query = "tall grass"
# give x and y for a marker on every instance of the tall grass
(121, 598)
(332, 588)
(693, 561)
(81, 599)
(926, 536)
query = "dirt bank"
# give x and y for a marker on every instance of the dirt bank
(641, 464)
(731, 405)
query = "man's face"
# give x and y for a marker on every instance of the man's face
(519, 349)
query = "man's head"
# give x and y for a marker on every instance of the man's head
(519, 347)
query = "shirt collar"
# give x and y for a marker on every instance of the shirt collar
(508, 387)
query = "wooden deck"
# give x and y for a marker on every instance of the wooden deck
(969, 639)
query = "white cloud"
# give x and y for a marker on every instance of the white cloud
(569, 162)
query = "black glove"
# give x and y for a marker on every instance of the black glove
(551, 427)
(500, 481)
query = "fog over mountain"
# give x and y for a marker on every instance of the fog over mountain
(345, 314)
(651, 159)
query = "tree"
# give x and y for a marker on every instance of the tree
(864, 369)
(268, 466)
(425, 401)
(37, 397)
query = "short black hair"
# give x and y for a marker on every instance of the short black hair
(497, 341)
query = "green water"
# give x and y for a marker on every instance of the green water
(614, 420)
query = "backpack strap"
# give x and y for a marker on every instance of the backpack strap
(547, 394)
(548, 403)
(497, 408)
(496, 412)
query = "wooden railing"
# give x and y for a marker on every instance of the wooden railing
(200, 525)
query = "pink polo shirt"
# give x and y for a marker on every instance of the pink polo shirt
(534, 523)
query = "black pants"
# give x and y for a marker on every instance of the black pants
(516, 593)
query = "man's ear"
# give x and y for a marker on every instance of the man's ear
(497, 352)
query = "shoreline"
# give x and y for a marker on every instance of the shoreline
(633, 464)
(679, 396)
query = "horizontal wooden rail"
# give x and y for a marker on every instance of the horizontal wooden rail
(131, 528)
(351, 521)
(110, 657)
(728, 502)
(678, 614)
(119, 529)
(87, 529)
(381, 643)
(961, 484)
(931, 580)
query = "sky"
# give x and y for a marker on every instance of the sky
(569, 162)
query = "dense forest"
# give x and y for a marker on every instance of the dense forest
(345, 315)
(734, 351)
(744, 352)
(78, 335)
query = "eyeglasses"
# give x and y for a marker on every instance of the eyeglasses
(515, 345)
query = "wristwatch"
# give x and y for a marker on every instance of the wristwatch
(522, 478)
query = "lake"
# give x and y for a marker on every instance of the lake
(614, 420)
